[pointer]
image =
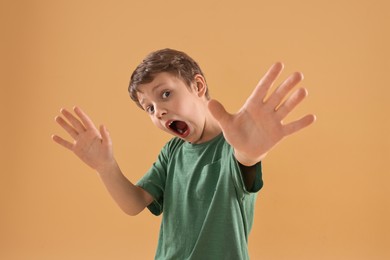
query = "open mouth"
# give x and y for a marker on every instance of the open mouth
(179, 127)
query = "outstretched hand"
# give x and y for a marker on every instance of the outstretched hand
(92, 146)
(258, 125)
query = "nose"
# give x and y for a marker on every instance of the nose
(160, 111)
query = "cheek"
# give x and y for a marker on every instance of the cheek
(188, 107)
(158, 124)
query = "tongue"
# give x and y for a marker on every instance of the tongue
(180, 126)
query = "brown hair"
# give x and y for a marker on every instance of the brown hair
(175, 62)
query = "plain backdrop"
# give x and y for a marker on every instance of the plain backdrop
(326, 192)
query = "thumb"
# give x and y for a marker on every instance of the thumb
(105, 135)
(218, 111)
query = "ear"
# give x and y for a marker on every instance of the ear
(200, 86)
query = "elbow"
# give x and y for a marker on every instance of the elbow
(132, 214)
(132, 211)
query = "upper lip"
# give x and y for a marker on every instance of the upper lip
(168, 124)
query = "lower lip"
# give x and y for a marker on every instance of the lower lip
(185, 134)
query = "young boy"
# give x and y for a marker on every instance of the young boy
(206, 178)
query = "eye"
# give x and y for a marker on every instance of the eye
(166, 94)
(150, 109)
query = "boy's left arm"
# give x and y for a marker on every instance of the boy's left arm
(258, 126)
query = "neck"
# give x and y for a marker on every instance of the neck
(211, 128)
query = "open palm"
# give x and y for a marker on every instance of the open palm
(258, 126)
(92, 146)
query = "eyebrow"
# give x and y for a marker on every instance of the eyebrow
(153, 90)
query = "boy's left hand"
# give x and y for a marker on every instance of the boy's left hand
(258, 125)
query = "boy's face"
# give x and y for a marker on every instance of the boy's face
(174, 107)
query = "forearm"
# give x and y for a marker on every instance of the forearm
(129, 197)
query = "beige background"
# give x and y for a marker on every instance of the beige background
(326, 192)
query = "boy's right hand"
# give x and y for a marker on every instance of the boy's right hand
(92, 146)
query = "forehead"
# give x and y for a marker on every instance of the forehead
(161, 79)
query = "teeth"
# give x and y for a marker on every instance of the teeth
(175, 128)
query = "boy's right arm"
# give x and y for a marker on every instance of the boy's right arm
(94, 148)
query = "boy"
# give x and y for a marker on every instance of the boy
(206, 178)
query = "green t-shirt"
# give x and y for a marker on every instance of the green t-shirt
(207, 211)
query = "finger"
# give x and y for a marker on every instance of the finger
(78, 126)
(84, 118)
(68, 128)
(266, 82)
(281, 92)
(105, 135)
(62, 142)
(296, 97)
(298, 125)
(218, 111)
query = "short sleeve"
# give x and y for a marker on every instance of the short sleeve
(258, 183)
(154, 182)
(238, 179)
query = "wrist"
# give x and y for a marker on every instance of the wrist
(247, 160)
(107, 168)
